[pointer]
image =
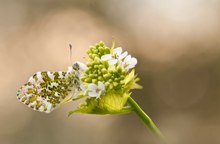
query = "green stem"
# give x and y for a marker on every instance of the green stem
(145, 118)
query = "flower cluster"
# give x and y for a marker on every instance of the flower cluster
(107, 80)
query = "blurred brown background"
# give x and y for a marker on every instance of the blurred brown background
(177, 45)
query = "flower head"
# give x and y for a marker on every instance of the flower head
(107, 81)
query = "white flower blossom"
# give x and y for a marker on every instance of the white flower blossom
(119, 54)
(96, 90)
(112, 61)
(129, 62)
(106, 57)
(109, 58)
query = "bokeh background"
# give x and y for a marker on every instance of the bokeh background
(175, 41)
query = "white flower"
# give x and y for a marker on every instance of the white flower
(106, 57)
(112, 61)
(96, 90)
(109, 58)
(119, 54)
(129, 62)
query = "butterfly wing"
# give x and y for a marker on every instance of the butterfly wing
(44, 91)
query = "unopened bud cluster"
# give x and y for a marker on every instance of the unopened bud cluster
(98, 50)
(100, 71)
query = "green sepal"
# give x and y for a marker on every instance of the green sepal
(131, 81)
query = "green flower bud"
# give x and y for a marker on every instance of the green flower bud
(115, 84)
(91, 75)
(116, 79)
(96, 59)
(100, 78)
(83, 78)
(88, 80)
(94, 81)
(110, 86)
(122, 82)
(104, 70)
(96, 66)
(101, 66)
(107, 84)
(106, 76)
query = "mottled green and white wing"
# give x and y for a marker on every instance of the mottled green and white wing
(45, 91)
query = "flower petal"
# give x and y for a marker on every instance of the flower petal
(92, 87)
(112, 61)
(101, 86)
(133, 61)
(127, 59)
(117, 51)
(123, 55)
(106, 57)
(93, 94)
(99, 94)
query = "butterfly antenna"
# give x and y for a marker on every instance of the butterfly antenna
(70, 46)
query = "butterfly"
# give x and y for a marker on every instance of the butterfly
(45, 91)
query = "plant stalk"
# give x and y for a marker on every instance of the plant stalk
(145, 118)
